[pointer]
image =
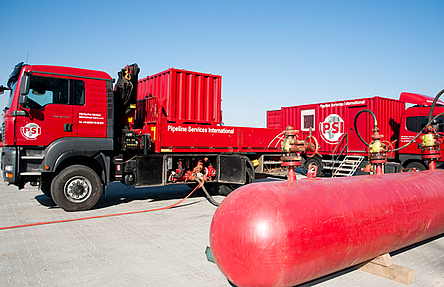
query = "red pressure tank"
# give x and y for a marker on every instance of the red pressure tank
(288, 233)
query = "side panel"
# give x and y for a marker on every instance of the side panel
(195, 138)
(204, 138)
(259, 139)
(150, 170)
(232, 169)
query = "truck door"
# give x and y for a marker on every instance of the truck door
(354, 143)
(49, 114)
(90, 112)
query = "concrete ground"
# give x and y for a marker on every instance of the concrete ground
(162, 248)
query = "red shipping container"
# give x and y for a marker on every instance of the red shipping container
(274, 119)
(332, 122)
(179, 96)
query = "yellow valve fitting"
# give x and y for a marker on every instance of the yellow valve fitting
(375, 147)
(289, 134)
(286, 146)
(428, 140)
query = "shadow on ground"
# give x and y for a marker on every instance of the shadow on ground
(117, 193)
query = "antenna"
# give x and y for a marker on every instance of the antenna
(27, 57)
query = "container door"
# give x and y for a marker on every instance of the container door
(49, 114)
(354, 143)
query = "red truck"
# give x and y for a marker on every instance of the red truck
(70, 132)
(341, 152)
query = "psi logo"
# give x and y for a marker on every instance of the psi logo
(332, 128)
(31, 131)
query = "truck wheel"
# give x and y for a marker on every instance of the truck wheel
(414, 166)
(76, 188)
(45, 187)
(226, 188)
(314, 161)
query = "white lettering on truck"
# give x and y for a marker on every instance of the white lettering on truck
(190, 129)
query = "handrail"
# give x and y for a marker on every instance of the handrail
(341, 139)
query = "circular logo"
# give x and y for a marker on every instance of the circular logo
(332, 128)
(31, 131)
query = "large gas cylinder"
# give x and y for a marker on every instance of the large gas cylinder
(287, 233)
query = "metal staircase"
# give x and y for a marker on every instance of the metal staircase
(348, 166)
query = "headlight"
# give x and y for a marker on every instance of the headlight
(9, 168)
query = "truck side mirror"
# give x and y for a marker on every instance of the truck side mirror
(23, 100)
(3, 89)
(24, 84)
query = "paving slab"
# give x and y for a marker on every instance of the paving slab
(161, 248)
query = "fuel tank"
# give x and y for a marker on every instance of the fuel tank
(287, 233)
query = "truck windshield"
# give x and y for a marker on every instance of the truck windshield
(12, 82)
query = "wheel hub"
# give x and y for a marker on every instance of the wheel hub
(78, 189)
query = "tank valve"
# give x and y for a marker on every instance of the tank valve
(378, 151)
(292, 148)
(430, 149)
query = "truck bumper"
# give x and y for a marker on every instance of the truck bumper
(9, 164)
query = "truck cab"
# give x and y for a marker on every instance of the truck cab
(413, 120)
(49, 118)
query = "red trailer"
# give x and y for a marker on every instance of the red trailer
(332, 124)
(70, 132)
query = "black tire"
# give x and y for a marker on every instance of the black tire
(45, 187)
(314, 161)
(227, 188)
(411, 167)
(76, 188)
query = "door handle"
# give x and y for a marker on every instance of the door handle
(67, 127)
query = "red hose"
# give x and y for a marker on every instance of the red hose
(108, 215)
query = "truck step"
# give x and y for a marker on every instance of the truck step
(29, 173)
(32, 156)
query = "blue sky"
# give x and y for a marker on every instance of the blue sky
(270, 53)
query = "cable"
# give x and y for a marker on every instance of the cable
(107, 215)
